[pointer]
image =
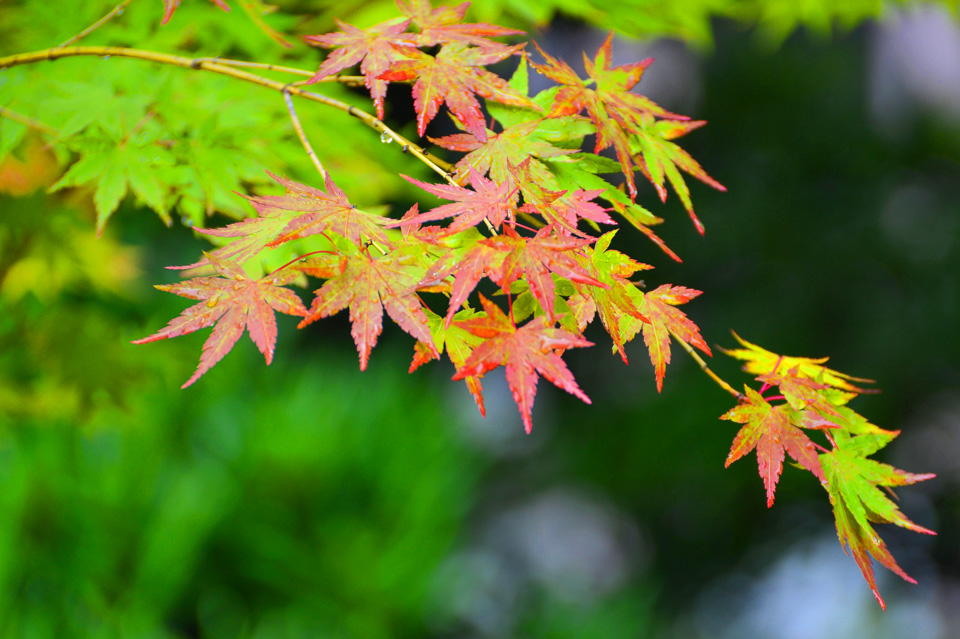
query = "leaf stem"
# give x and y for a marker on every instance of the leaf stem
(117, 10)
(303, 136)
(28, 121)
(441, 167)
(706, 369)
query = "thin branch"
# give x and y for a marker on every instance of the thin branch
(441, 167)
(117, 10)
(303, 136)
(28, 121)
(257, 19)
(706, 369)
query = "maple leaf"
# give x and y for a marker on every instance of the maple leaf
(302, 212)
(458, 343)
(234, 303)
(509, 258)
(252, 236)
(169, 6)
(664, 319)
(563, 209)
(852, 482)
(376, 49)
(444, 25)
(618, 298)
(662, 158)
(760, 361)
(802, 392)
(455, 76)
(503, 152)
(772, 431)
(368, 286)
(525, 352)
(488, 200)
(321, 213)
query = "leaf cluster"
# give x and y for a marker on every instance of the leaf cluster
(814, 398)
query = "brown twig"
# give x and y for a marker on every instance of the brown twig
(303, 136)
(117, 10)
(706, 369)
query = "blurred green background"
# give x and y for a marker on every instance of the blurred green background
(311, 500)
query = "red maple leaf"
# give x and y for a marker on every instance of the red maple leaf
(562, 209)
(663, 319)
(508, 258)
(455, 76)
(320, 212)
(627, 121)
(234, 303)
(488, 200)
(444, 25)
(773, 431)
(368, 286)
(169, 6)
(378, 48)
(526, 352)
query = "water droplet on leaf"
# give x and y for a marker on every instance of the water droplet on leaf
(386, 139)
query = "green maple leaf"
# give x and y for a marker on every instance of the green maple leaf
(116, 166)
(852, 482)
(617, 300)
(458, 344)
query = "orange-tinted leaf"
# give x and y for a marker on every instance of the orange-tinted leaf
(378, 48)
(508, 258)
(659, 307)
(320, 212)
(444, 25)
(618, 302)
(627, 122)
(234, 303)
(368, 286)
(488, 200)
(455, 76)
(772, 431)
(526, 353)
(503, 152)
